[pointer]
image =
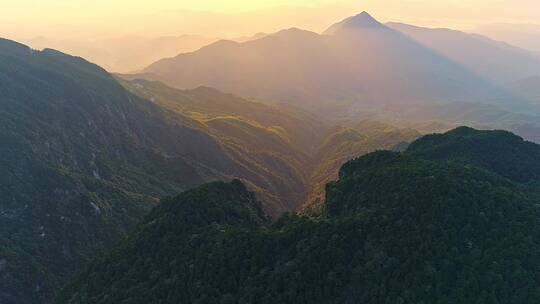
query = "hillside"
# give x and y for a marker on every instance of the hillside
(357, 61)
(397, 229)
(343, 143)
(274, 143)
(83, 161)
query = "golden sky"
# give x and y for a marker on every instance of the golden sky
(89, 18)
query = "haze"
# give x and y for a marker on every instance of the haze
(63, 19)
(126, 35)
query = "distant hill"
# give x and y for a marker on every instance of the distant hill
(357, 61)
(493, 60)
(398, 228)
(124, 54)
(523, 35)
(443, 117)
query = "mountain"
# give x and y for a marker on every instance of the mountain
(398, 228)
(357, 61)
(497, 61)
(86, 155)
(360, 21)
(274, 143)
(84, 159)
(443, 117)
(127, 53)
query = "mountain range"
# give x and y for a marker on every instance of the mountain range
(357, 63)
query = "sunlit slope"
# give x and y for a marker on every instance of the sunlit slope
(275, 144)
(297, 153)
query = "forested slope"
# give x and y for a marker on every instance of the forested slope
(397, 229)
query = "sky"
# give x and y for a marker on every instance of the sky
(69, 19)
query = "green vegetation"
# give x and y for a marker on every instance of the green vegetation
(292, 154)
(499, 151)
(82, 161)
(398, 228)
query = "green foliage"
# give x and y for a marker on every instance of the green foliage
(499, 151)
(82, 161)
(398, 229)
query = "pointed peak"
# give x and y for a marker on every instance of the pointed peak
(365, 16)
(364, 19)
(361, 21)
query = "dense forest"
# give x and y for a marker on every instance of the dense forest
(415, 227)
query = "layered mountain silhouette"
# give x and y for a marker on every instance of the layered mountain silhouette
(493, 60)
(357, 61)
(127, 53)
(446, 220)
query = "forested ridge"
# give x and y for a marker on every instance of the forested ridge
(397, 228)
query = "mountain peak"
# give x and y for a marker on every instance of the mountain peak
(361, 21)
(364, 18)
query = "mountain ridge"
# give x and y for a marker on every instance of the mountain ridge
(361, 21)
(302, 68)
